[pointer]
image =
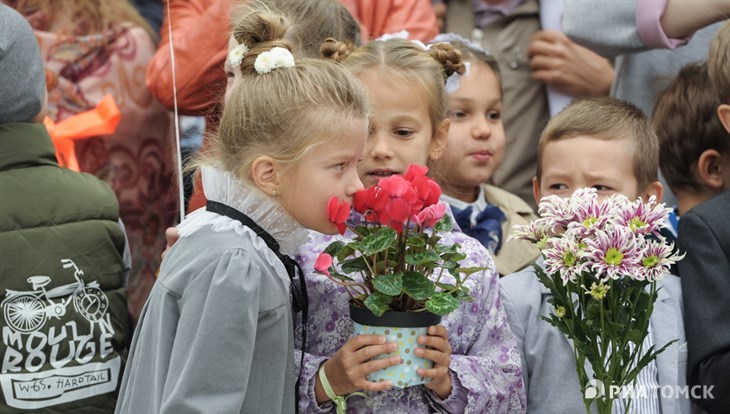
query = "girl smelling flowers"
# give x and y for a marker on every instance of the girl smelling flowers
(216, 334)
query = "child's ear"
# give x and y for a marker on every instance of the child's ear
(265, 173)
(439, 140)
(536, 189)
(655, 189)
(723, 112)
(709, 168)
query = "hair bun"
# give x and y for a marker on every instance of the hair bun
(261, 31)
(449, 57)
(336, 50)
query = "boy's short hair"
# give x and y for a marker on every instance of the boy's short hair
(608, 119)
(719, 62)
(685, 121)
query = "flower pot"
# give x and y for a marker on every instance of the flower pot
(402, 328)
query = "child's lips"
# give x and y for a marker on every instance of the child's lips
(382, 172)
(481, 156)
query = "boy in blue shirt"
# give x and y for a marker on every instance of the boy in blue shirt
(609, 145)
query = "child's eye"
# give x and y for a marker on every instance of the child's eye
(339, 166)
(457, 114)
(558, 187)
(600, 187)
(403, 133)
(494, 115)
(371, 131)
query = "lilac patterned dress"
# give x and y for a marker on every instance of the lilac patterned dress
(485, 363)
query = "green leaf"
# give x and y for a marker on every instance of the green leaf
(593, 310)
(379, 241)
(354, 265)
(451, 266)
(455, 257)
(341, 277)
(442, 303)
(470, 270)
(363, 231)
(391, 285)
(416, 241)
(378, 303)
(635, 336)
(334, 248)
(423, 258)
(445, 286)
(417, 286)
(445, 224)
(446, 248)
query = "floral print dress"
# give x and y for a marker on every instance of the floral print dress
(485, 363)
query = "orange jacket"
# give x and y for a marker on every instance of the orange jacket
(201, 29)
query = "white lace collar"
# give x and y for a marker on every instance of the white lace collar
(223, 187)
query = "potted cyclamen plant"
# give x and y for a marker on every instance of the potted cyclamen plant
(400, 278)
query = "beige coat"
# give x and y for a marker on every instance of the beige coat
(514, 254)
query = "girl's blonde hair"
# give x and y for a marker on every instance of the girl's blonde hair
(286, 112)
(312, 21)
(85, 17)
(428, 69)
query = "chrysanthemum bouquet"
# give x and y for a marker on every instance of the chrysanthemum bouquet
(602, 260)
(396, 261)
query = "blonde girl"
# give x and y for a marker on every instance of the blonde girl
(216, 334)
(476, 364)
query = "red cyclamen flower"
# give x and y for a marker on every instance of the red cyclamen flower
(429, 216)
(427, 189)
(323, 263)
(338, 213)
(395, 201)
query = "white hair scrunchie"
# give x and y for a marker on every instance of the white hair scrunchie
(236, 55)
(277, 57)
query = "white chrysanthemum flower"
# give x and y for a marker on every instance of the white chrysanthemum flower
(235, 56)
(277, 57)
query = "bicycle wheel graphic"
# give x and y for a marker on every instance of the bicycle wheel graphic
(24, 313)
(91, 303)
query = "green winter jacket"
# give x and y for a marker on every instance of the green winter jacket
(64, 325)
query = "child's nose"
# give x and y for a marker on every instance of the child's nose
(354, 185)
(481, 129)
(379, 147)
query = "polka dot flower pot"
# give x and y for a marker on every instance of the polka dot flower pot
(403, 328)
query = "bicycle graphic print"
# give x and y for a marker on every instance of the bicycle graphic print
(27, 311)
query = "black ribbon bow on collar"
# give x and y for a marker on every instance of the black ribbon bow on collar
(296, 276)
(487, 228)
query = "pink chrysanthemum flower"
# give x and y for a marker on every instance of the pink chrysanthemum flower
(643, 218)
(656, 259)
(535, 232)
(614, 252)
(583, 196)
(589, 214)
(564, 256)
(556, 211)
